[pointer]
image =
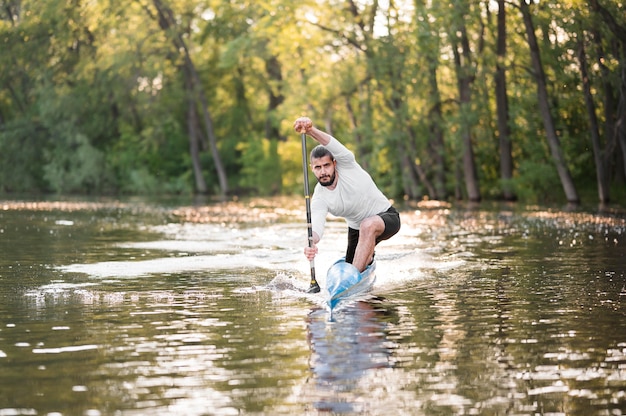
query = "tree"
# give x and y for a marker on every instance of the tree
(465, 76)
(599, 156)
(433, 97)
(502, 107)
(168, 23)
(618, 30)
(429, 43)
(544, 108)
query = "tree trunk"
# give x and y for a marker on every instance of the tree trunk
(435, 145)
(620, 33)
(458, 174)
(469, 166)
(611, 146)
(602, 177)
(194, 148)
(544, 108)
(465, 78)
(274, 73)
(167, 22)
(417, 169)
(502, 108)
(436, 141)
(409, 179)
(620, 124)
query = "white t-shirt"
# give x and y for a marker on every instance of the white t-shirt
(355, 197)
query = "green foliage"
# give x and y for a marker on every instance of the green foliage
(152, 162)
(94, 96)
(537, 182)
(21, 157)
(290, 153)
(74, 165)
(261, 171)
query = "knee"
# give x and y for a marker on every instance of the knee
(372, 226)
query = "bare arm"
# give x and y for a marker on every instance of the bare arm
(321, 137)
(305, 125)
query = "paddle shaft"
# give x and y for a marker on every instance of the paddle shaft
(307, 197)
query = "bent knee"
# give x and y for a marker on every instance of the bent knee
(372, 225)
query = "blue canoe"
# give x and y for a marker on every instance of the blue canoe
(343, 280)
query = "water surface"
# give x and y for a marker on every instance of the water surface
(139, 308)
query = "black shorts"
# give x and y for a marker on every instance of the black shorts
(391, 218)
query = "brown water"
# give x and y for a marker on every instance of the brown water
(147, 309)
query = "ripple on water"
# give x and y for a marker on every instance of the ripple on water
(474, 312)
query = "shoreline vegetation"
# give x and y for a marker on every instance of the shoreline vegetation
(272, 209)
(448, 101)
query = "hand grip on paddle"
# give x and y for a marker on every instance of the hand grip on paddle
(303, 125)
(310, 251)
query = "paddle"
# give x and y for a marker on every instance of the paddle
(315, 287)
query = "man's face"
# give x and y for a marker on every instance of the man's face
(324, 170)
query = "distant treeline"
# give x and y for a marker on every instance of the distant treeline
(466, 99)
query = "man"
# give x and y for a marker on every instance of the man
(345, 190)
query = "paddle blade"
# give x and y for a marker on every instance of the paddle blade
(314, 288)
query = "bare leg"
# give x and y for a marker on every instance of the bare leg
(370, 228)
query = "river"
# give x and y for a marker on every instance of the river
(158, 308)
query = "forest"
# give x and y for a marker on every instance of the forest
(472, 100)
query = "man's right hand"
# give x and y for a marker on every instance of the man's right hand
(310, 252)
(303, 125)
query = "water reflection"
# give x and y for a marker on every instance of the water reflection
(346, 354)
(124, 309)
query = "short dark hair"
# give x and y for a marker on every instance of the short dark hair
(320, 151)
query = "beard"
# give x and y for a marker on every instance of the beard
(327, 180)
